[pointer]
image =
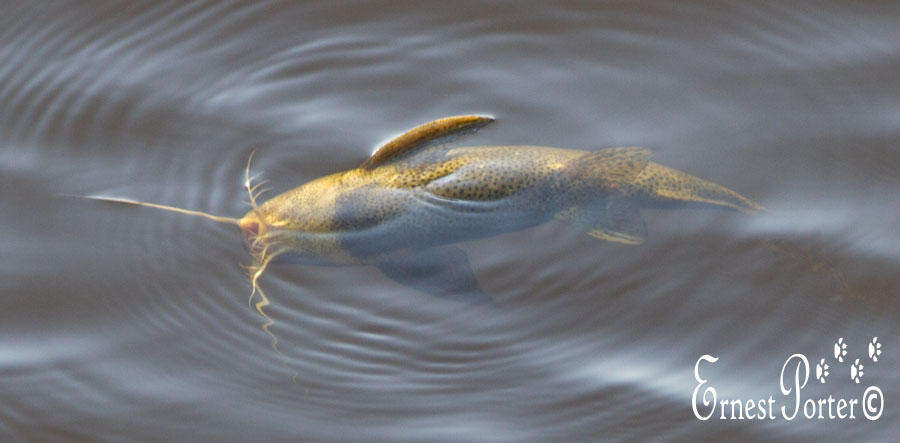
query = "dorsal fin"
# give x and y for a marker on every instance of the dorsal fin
(420, 135)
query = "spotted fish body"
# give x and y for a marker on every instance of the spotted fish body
(411, 197)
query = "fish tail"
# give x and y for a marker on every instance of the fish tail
(661, 185)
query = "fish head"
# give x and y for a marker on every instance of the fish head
(251, 229)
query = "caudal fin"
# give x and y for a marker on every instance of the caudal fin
(661, 185)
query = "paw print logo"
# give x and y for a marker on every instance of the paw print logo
(856, 371)
(821, 370)
(840, 349)
(874, 349)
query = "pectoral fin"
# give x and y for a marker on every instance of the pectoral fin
(620, 222)
(442, 271)
(421, 135)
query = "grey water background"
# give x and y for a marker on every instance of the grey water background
(121, 323)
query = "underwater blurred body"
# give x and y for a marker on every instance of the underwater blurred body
(133, 324)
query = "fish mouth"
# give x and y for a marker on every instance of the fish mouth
(251, 229)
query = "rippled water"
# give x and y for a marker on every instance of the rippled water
(130, 323)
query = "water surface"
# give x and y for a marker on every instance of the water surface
(123, 323)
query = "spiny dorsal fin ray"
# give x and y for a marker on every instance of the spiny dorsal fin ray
(422, 134)
(615, 166)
